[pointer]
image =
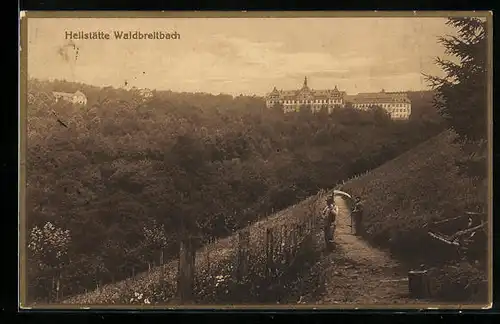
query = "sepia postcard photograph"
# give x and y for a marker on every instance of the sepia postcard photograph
(255, 160)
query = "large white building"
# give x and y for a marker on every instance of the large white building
(292, 100)
(398, 105)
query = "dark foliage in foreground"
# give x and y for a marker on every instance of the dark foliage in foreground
(462, 94)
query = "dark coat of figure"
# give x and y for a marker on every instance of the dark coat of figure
(357, 216)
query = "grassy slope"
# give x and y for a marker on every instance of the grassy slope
(221, 253)
(402, 195)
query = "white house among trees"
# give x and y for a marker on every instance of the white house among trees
(77, 98)
(146, 93)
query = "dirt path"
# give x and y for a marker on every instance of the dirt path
(357, 273)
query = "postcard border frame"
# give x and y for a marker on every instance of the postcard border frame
(23, 68)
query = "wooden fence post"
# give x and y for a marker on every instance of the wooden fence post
(288, 243)
(284, 243)
(243, 254)
(52, 289)
(296, 239)
(269, 251)
(185, 283)
(58, 286)
(207, 258)
(279, 242)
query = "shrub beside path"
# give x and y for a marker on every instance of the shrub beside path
(357, 273)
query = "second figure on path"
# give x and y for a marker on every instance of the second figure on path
(357, 217)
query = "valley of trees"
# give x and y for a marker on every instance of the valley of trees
(125, 179)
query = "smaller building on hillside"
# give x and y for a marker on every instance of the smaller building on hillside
(77, 98)
(146, 94)
(397, 104)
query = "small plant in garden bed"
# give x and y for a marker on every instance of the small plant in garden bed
(214, 286)
(155, 294)
(260, 284)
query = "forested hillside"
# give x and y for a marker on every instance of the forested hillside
(125, 178)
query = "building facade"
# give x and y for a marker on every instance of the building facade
(398, 105)
(316, 99)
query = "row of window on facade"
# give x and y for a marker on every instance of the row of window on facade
(391, 109)
(381, 105)
(316, 107)
(400, 110)
(396, 113)
(324, 101)
(313, 108)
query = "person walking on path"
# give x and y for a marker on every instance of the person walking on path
(329, 218)
(357, 217)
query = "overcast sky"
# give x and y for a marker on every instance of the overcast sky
(238, 55)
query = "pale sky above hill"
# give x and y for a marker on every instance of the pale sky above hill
(242, 55)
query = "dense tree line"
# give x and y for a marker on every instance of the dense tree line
(127, 177)
(462, 94)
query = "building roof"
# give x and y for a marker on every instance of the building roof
(79, 93)
(67, 94)
(275, 92)
(306, 92)
(317, 94)
(379, 97)
(361, 98)
(62, 94)
(146, 92)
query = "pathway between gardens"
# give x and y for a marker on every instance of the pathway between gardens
(357, 273)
